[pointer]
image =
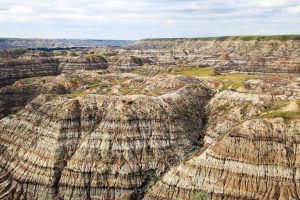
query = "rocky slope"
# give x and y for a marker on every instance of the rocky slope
(250, 151)
(254, 54)
(257, 159)
(95, 146)
(164, 131)
(229, 108)
(28, 66)
(67, 65)
(12, 70)
(126, 63)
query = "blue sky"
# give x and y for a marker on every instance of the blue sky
(136, 19)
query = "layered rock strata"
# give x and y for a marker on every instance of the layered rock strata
(230, 108)
(251, 55)
(16, 96)
(95, 146)
(125, 63)
(258, 159)
(68, 65)
(289, 87)
(18, 68)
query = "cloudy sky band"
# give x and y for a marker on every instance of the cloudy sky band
(136, 19)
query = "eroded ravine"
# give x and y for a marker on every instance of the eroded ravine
(97, 146)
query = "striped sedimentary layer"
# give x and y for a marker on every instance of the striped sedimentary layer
(229, 108)
(96, 146)
(127, 63)
(15, 96)
(18, 68)
(14, 69)
(258, 159)
(250, 55)
(68, 65)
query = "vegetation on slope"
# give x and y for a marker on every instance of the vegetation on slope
(278, 110)
(230, 81)
(95, 57)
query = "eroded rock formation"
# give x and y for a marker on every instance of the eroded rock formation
(88, 62)
(251, 55)
(97, 146)
(21, 68)
(255, 160)
(91, 131)
(230, 108)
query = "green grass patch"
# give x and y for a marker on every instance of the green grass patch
(222, 108)
(285, 115)
(78, 94)
(200, 196)
(275, 111)
(194, 71)
(98, 84)
(95, 57)
(28, 80)
(126, 90)
(275, 107)
(232, 81)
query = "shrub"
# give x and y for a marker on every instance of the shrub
(200, 196)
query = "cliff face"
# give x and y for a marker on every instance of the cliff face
(241, 55)
(67, 65)
(28, 66)
(98, 146)
(21, 68)
(255, 160)
(126, 63)
(250, 150)
(229, 108)
(91, 132)
(16, 96)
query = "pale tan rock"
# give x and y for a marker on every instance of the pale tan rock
(229, 108)
(97, 146)
(255, 160)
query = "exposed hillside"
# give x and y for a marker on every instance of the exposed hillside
(96, 146)
(241, 53)
(146, 124)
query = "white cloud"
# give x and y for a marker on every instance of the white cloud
(272, 3)
(293, 10)
(145, 18)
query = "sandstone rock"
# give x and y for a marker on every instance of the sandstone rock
(238, 55)
(87, 62)
(15, 69)
(255, 160)
(96, 146)
(229, 108)
(126, 63)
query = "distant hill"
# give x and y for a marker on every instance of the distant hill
(232, 38)
(14, 43)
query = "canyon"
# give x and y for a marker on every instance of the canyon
(166, 119)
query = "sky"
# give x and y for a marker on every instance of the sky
(138, 19)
